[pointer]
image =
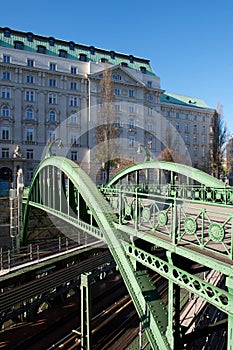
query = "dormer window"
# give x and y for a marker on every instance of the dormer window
(51, 41)
(124, 64)
(143, 69)
(18, 45)
(71, 46)
(7, 32)
(131, 59)
(41, 49)
(30, 37)
(112, 55)
(82, 57)
(63, 53)
(92, 50)
(104, 60)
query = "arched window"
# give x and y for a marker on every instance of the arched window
(52, 116)
(5, 111)
(29, 114)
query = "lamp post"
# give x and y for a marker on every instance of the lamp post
(49, 149)
(145, 149)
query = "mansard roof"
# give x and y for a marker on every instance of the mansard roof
(183, 100)
(28, 41)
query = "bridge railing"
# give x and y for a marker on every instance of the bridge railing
(196, 215)
(11, 259)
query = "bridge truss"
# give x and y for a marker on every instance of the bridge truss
(146, 209)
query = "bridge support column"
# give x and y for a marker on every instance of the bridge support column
(86, 311)
(229, 284)
(173, 329)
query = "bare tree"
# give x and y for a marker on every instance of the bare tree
(107, 131)
(219, 132)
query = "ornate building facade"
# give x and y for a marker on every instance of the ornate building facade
(50, 88)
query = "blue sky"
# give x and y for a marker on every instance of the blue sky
(189, 43)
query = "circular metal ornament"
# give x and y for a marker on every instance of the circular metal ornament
(190, 225)
(128, 210)
(146, 215)
(216, 232)
(162, 218)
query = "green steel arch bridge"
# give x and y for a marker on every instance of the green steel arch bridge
(145, 209)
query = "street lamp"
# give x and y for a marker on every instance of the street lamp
(49, 149)
(145, 149)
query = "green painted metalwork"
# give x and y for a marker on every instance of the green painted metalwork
(191, 219)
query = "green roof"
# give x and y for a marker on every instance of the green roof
(183, 100)
(30, 42)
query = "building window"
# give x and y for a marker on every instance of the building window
(52, 135)
(177, 126)
(195, 129)
(52, 82)
(5, 111)
(203, 118)
(30, 62)
(51, 41)
(74, 156)
(104, 60)
(6, 92)
(73, 70)
(203, 152)
(131, 123)
(117, 91)
(5, 133)
(29, 95)
(6, 75)
(6, 59)
(73, 138)
(7, 33)
(131, 109)
(29, 154)
(168, 113)
(41, 49)
(30, 135)
(29, 79)
(52, 66)
(112, 55)
(124, 64)
(186, 127)
(131, 93)
(52, 116)
(73, 101)
(195, 151)
(30, 37)
(195, 139)
(29, 114)
(131, 59)
(5, 153)
(177, 115)
(117, 122)
(92, 50)
(52, 98)
(150, 127)
(186, 116)
(203, 128)
(149, 98)
(131, 141)
(186, 138)
(149, 84)
(73, 86)
(18, 45)
(204, 139)
(116, 77)
(143, 69)
(71, 46)
(73, 119)
(82, 57)
(117, 106)
(149, 111)
(63, 53)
